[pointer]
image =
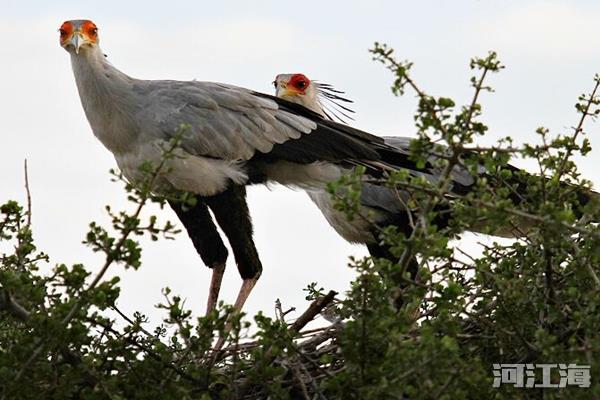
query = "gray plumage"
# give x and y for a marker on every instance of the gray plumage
(232, 137)
(232, 132)
(378, 202)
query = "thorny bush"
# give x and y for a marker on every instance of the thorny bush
(533, 300)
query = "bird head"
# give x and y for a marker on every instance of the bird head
(316, 96)
(296, 88)
(78, 34)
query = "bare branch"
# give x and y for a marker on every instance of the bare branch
(28, 193)
(315, 308)
(10, 305)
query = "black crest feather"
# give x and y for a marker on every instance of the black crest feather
(333, 103)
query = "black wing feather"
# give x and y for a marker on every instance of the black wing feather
(337, 143)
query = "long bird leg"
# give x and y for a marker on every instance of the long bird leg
(231, 211)
(245, 290)
(215, 287)
(232, 214)
(247, 286)
(207, 241)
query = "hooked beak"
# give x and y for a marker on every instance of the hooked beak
(283, 91)
(280, 90)
(77, 40)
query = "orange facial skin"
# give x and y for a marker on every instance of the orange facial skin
(65, 30)
(86, 27)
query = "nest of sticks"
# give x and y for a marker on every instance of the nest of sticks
(312, 356)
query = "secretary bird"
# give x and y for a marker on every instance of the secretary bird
(235, 137)
(385, 205)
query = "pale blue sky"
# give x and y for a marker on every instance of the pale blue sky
(549, 48)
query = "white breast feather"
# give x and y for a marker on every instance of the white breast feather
(200, 175)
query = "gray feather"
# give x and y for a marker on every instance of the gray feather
(226, 122)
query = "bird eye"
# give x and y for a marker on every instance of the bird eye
(93, 31)
(301, 84)
(62, 32)
(275, 84)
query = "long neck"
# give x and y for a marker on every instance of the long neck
(106, 96)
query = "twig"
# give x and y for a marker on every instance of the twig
(278, 310)
(148, 351)
(322, 337)
(578, 129)
(315, 308)
(300, 381)
(28, 192)
(314, 385)
(319, 367)
(131, 322)
(279, 313)
(9, 304)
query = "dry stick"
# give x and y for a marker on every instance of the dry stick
(315, 308)
(309, 332)
(298, 377)
(278, 310)
(310, 360)
(291, 309)
(9, 304)
(254, 343)
(322, 337)
(316, 341)
(279, 313)
(28, 193)
(314, 385)
(6, 301)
